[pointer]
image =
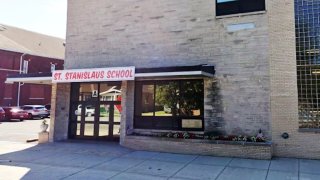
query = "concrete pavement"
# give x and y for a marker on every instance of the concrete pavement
(88, 160)
(20, 131)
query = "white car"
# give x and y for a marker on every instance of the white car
(90, 110)
(36, 111)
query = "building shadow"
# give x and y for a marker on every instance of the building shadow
(54, 160)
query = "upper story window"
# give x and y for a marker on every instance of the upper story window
(227, 7)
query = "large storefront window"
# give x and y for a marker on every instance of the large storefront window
(171, 105)
(307, 18)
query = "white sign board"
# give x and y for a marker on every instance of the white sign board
(93, 75)
(95, 93)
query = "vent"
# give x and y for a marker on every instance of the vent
(239, 27)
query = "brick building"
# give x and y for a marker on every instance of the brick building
(41, 52)
(135, 70)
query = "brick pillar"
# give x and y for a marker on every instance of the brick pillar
(60, 104)
(127, 103)
(213, 108)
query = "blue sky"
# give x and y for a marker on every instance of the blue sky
(43, 16)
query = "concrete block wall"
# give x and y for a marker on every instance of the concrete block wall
(151, 33)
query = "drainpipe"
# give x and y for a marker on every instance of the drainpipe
(20, 72)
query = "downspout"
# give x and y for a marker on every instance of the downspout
(19, 85)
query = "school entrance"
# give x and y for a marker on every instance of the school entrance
(95, 111)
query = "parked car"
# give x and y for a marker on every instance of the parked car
(15, 113)
(48, 107)
(2, 114)
(90, 110)
(36, 111)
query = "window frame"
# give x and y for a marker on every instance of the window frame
(170, 122)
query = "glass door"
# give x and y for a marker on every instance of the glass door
(109, 121)
(95, 111)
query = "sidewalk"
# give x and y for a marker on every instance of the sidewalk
(76, 160)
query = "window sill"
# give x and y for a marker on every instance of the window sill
(306, 130)
(150, 131)
(241, 14)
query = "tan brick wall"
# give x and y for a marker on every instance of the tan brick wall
(256, 69)
(284, 97)
(200, 147)
(151, 33)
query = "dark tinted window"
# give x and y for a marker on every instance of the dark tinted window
(227, 7)
(26, 108)
(48, 106)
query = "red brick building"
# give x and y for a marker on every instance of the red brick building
(40, 52)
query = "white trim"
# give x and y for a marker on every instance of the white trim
(4, 69)
(163, 74)
(7, 98)
(241, 14)
(36, 98)
(37, 80)
(161, 131)
(207, 74)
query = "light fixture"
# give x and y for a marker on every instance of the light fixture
(285, 135)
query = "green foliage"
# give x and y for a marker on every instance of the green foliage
(184, 96)
(168, 95)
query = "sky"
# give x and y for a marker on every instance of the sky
(43, 16)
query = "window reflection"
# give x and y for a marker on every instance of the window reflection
(163, 104)
(167, 99)
(104, 112)
(117, 113)
(109, 93)
(88, 112)
(191, 102)
(178, 98)
(88, 92)
(103, 129)
(116, 130)
(147, 100)
(308, 61)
